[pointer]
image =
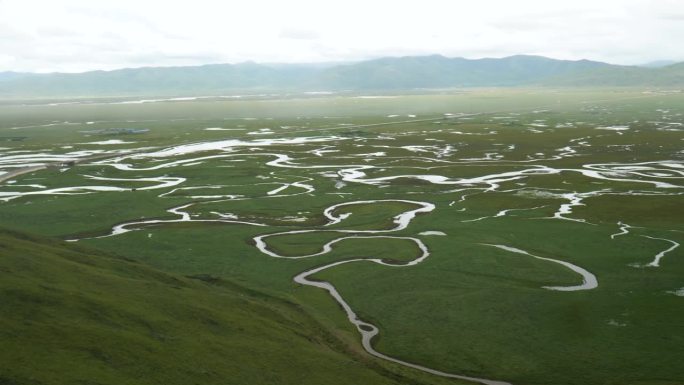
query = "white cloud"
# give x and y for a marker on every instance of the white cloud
(77, 35)
(298, 34)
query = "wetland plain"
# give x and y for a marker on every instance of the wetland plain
(494, 236)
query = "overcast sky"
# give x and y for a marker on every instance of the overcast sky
(80, 35)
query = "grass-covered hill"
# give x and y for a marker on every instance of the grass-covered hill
(72, 315)
(668, 76)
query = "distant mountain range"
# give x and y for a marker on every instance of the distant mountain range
(385, 74)
(658, 63)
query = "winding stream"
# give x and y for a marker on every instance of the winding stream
(660, 255)
(367, 330)
(589, 280)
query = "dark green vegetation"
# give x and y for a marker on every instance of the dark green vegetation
(381, 74)
(73, 315)
(467, 309)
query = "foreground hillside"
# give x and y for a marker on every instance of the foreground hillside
(74, 316)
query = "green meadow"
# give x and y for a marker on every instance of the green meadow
(168, 255)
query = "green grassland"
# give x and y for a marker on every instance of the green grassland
(467, 309)
(78, 315)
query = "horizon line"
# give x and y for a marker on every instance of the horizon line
(330, 63)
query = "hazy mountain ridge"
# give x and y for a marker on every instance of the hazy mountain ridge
(438, 71)
(658, 63)
(391, 73)
(9, 75)
(668, 76)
